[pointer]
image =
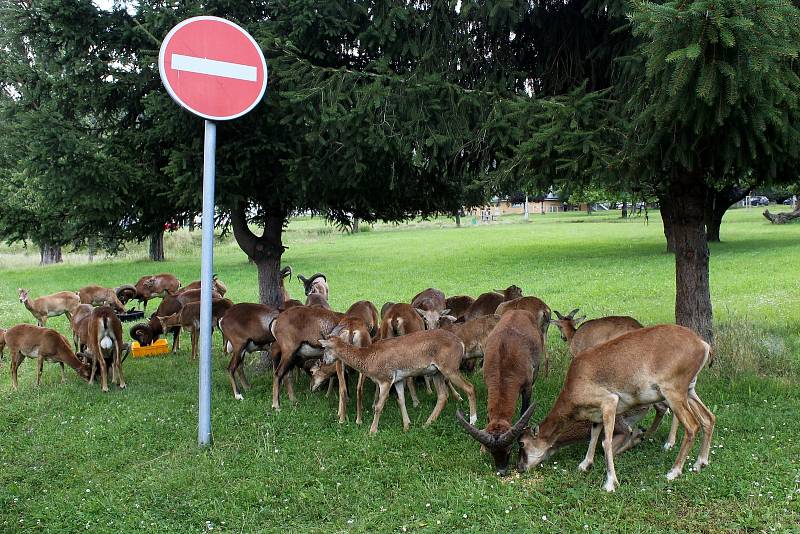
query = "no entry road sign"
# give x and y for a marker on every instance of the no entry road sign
(213, 68)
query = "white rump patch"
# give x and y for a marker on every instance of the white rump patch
(106, 343)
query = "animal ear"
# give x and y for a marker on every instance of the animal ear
(445, 311)
(558, 314)
(579, 320)
(535, 430)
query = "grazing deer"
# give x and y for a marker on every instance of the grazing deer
(53, 305)
(458, 305)
(296, 332)
(430, 305)
(388, 362)
(510, 366)
(80, 328)
(640, 368)
(189, 318)
(105, 343)
(156, 285)
(100, 296)
(43, 344)
(598, 331)
(218, 286)
(398, 320)
(246, 327)
(367, 312)
(487, 303)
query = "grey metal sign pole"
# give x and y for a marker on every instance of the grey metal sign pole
(206, 272)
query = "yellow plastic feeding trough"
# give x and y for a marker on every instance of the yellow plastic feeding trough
(159, 346)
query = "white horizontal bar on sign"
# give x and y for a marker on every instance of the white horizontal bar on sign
(212, 67)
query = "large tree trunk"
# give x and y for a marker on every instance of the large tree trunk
(782, 218)
(49, 254)
(717, 203)
(692, 289)
(354, 228)
(157, 245)
(458, 219)
(265, 251)
(665, 207)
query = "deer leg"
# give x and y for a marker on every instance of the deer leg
(588, 460)
(455, 392)
(359, 397)
(118, 365)
(609, 408)
(233, 367)
(275, 352)
(683, 414)
(94, 369)
(673, 433)
(412, 390)
(39, 364)
(441, 398)
(63, 376)
(16, 359)
(707, 421)
(399, 387)
(342, 390)
(194, 337)
(383, 389)
(242, 378)
(660, 409)
(428, 385)
(330, 387)
(465, 386)
(101, 361)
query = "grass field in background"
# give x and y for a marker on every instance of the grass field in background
(72, 458)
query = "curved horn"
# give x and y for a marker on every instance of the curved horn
(509, 436)
(483, 437)
(558, 314)
(571, 314)
(287, 271)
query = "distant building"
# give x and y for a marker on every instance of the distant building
(550, 203)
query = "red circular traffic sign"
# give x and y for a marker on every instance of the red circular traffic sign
(213, 68)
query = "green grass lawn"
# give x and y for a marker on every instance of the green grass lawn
(72, 458)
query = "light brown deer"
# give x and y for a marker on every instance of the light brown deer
(42, 344)
(388, 362)
(640, 368)
(61, 303)
(156, 285)
(105, 343)
(100, 296)
(596, 332)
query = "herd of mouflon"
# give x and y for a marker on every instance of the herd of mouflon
(619, 370)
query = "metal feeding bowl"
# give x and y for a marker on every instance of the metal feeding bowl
(130, 315)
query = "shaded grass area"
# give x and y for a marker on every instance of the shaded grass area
(74, 459)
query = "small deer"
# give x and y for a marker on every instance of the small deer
(26, 340)
(388, 362)
(62, 303)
